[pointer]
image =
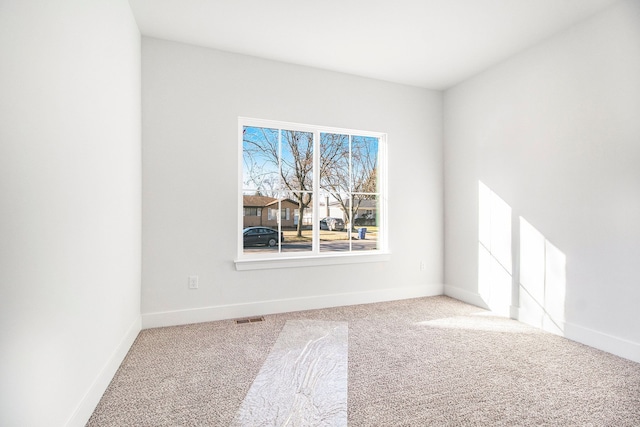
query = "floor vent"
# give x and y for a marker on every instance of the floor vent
(249, 320)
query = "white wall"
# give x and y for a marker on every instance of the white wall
(555, 133)
(70, 174)
(192, 98)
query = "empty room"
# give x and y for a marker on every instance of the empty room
(363, 213)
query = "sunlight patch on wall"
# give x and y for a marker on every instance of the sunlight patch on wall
(494, 250)
(542, 280)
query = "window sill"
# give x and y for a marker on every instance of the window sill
(310, 261)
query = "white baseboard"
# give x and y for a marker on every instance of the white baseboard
(91, 398)
(232, 311)
(605, 342)
(514, 312)
(611, 344)
(463, 295)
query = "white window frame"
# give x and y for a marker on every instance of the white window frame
(316, 257)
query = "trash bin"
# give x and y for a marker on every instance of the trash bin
(362, 232)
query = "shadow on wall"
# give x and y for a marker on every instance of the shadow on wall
(541, 286)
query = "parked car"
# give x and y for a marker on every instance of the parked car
(256, 236)
(332, 224)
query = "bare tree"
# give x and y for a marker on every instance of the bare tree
(260, 161)
(282, 168)
(297, 169)
(348, 171)
(334, 166)
(281, 165)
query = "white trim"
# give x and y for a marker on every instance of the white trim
(231, 311)
(249, 121)
(240, 177)
(92, 397)
(310, 261)
(315, 214)
(605, 342)
(592, 338)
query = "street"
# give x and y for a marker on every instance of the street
(325, 246)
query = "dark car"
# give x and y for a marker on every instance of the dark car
(331, 224)
(255, 236)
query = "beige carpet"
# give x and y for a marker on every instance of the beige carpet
(420, 362)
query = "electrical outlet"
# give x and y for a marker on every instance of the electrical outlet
(423, 266)
(193, 282)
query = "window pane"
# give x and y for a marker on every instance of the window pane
(297, 160)
(298, 228)
(365, 218)
(334, 228)
(334, 182)
(334, 163)
(364, 164)
(260, 224)
(260, 171)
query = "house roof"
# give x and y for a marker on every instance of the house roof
(257, 201)
(275, 201)
(262, 201)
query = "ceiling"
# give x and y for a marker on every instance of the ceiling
(427, 43)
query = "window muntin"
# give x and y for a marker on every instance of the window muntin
(314, 176)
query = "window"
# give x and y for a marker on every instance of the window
(252, 212)
(324, 190)
(285, 213)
